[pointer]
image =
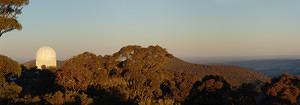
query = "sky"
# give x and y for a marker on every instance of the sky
(186, 28)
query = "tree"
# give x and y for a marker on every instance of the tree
(80, 72)
(9, 10)
(283, 90)
(213, 90)
(9, 70)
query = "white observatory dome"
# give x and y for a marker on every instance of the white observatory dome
(45, 56)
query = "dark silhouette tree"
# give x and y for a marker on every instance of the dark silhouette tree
(9, 10)
(213, 90)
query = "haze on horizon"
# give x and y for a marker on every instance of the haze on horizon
(186, 29)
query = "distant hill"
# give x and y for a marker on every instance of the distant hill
(235, 75)
(227, 59)
(31, 63)
(271, 68)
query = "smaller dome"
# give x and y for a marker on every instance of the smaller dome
(45, 56)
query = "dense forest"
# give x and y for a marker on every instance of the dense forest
(140, 76)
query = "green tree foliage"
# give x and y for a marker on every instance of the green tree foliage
(9, 10)
(9, 69)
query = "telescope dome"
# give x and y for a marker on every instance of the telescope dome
(45, 56)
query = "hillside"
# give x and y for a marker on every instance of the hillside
(235, 75)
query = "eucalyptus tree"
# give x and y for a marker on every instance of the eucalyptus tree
(10, 9)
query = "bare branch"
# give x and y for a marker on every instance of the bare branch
(5, 31)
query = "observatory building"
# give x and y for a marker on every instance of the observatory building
(45, 56)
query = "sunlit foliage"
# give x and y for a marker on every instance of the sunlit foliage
(283, 90)
(9, 70)
(80, 72)
(134, 76)
(9, 10)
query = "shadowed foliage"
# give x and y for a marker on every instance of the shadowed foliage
(43, 80)
(214, 90)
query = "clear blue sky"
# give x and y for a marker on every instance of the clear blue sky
(187, 28)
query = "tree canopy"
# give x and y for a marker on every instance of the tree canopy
(9, 10)
(135, 76)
